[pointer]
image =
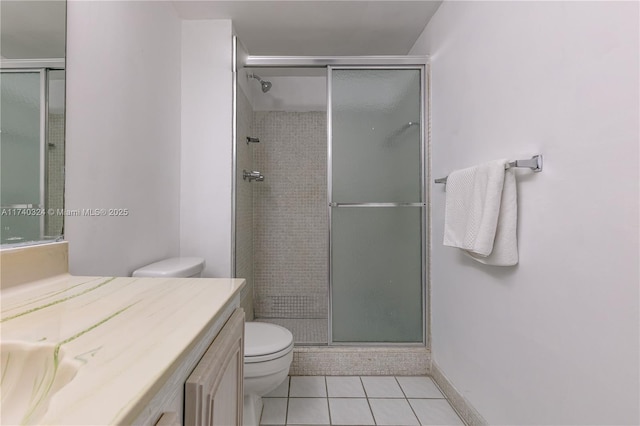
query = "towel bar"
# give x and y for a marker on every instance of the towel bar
(535, 164)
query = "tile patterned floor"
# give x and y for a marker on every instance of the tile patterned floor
(357, 400)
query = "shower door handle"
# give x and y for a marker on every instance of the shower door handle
(333, 204)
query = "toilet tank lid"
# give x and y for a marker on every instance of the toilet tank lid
(263, 338)
(173, 267)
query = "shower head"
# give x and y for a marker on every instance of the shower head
(266, 85)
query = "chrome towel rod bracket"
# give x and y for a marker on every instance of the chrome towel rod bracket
(535, 164)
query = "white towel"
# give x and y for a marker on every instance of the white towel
(481, 213)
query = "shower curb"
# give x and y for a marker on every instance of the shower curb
(360, 361)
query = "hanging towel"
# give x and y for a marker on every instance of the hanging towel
(481, 213)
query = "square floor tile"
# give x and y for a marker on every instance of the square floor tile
(395, 412)
(419, 387)
(350, 411)
(281, 391)
(435, 412)
(381, 387)
(307, 387)
(274, 411)
(308, 411)
(345, 387)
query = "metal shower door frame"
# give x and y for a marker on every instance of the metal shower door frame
(370, 62)
(33, 67)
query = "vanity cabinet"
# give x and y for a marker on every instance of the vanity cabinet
(207, 391)
(213, 392)
(150, 346)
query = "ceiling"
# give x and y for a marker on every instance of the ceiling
(36, 29)
(32, 29)
(319, 28)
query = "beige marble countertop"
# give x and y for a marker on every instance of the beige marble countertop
(127, 334)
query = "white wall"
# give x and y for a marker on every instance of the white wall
(123, 134)
(553, 340)
(205, 184)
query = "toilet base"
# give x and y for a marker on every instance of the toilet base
(251, 410)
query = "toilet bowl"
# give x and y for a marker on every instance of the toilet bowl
(268, 352)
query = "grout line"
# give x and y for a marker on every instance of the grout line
(326, 389)
(400, 386)
(286, 412)
(414, 412)
(407, 399)
(375, 422)
(366, 395)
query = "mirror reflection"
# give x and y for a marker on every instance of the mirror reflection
(32, 105)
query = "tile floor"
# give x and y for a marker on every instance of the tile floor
(357, 400)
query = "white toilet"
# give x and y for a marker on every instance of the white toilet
(268, 352)
(178, 267)
(268, 348)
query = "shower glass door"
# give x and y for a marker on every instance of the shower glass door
(376, 205)
(22, 155)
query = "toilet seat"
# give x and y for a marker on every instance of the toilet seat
(265, 342)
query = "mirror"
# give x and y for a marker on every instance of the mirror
(32, 105)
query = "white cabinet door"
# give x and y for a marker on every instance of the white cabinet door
(214, 392)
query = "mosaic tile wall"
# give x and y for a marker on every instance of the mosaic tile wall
(244, 201)
(306, 331)
(53, 224)
(290, 215)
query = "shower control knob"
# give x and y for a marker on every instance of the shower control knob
(251, 176)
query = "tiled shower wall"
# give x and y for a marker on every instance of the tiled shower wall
(290, 215)
(55, 175)
(244, 200)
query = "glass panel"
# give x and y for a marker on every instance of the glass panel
(20, 156)
(244, 229)
(376, 261)
(376, 135)
(376, 252)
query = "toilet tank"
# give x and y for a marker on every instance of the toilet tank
(179, 267)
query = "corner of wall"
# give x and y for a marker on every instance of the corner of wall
(206, 150)
(461, 405)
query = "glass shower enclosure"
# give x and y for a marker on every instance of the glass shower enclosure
(373, 241)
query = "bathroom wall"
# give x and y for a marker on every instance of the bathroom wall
(553, 340)
(290, 215)
(123, 134)
(244, 199)
(206, 155)
(300, 93)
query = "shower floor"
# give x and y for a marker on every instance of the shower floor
(305, 331)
